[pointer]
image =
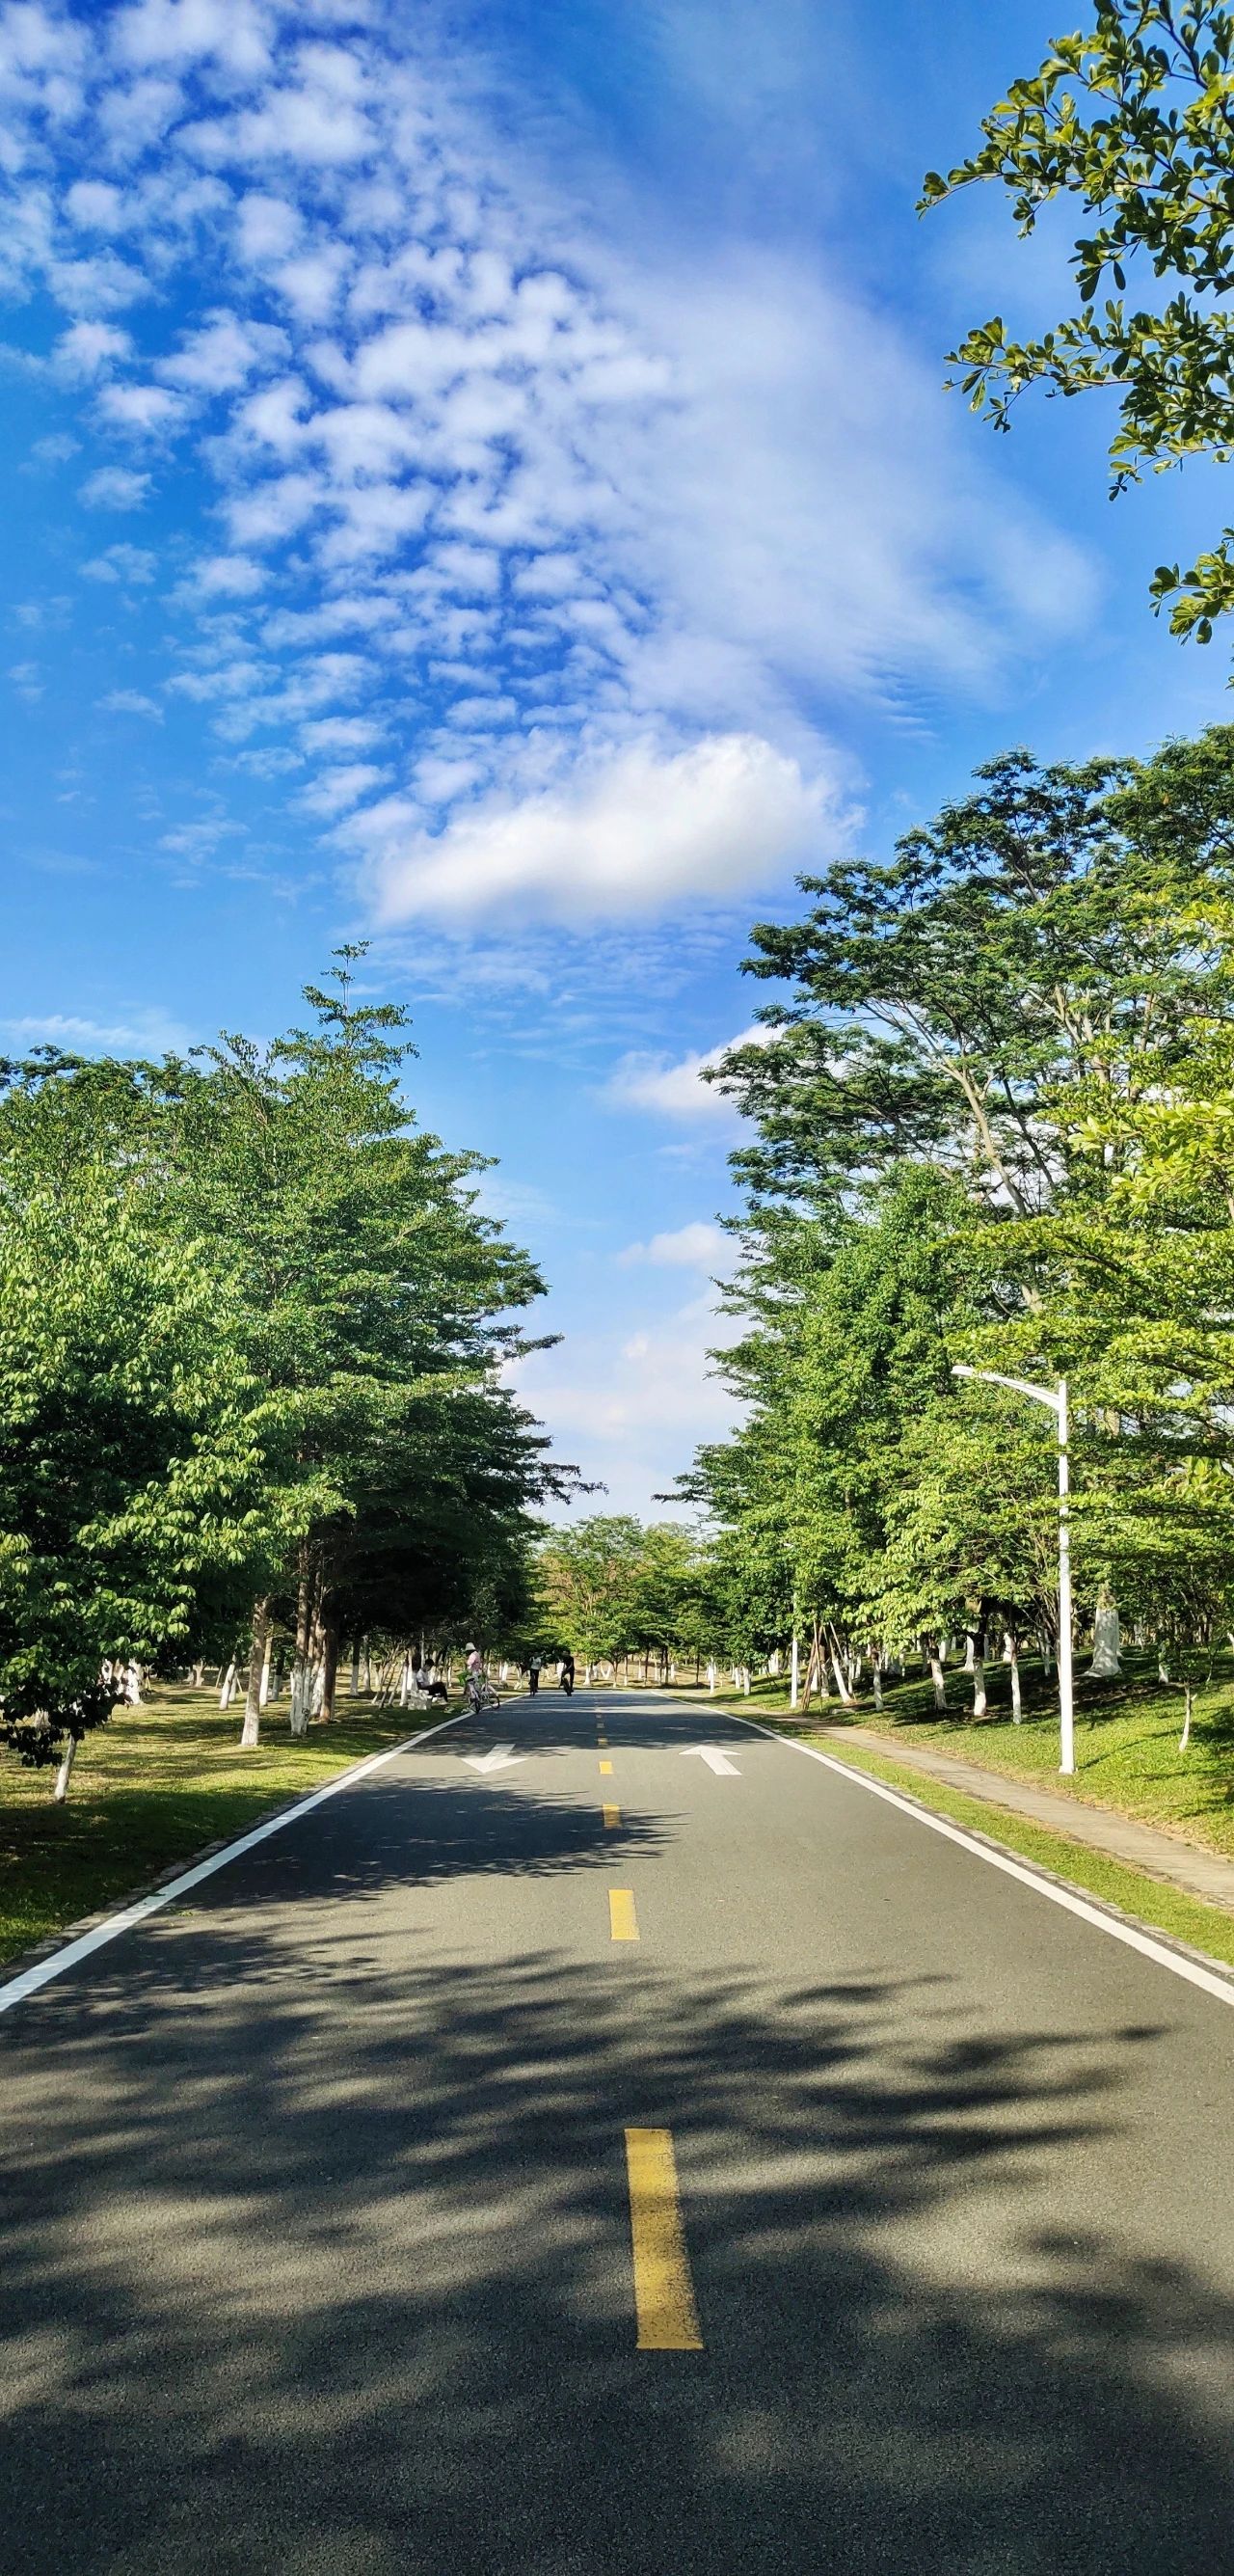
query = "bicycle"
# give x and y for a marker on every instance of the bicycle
(480, 1694)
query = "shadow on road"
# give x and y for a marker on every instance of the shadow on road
(345, 2290)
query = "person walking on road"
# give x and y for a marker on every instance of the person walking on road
(565, 1673)
(533, 1673)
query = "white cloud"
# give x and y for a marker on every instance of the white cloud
(640, 832)
(630, 530)
(698, 1246)
(88, 347)
(147, 1033)
(679, 1090)
(631, 1406)
(228, 577)
(335, 789)
(223, 354)
(115, 487)
(130, 702)
(133, 564)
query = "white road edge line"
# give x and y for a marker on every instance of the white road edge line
(30, 1979)
(1206, 1978)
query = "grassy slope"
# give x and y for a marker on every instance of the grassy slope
(151, 1788)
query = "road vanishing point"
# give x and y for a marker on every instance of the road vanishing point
(602, 2164)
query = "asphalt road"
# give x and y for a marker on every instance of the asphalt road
(316, 2240)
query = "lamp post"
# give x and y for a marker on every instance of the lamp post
(1057, 1403)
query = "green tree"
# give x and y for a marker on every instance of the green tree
(130, 1454)
(1129, 119)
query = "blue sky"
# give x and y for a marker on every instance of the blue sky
(480, 479)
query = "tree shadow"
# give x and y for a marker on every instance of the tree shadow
(341, 2284)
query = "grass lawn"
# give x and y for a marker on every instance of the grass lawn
(150, 1788)
(1127, 1733)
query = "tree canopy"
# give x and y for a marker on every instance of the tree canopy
(1131, 120)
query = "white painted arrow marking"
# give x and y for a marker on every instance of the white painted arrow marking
(712, 1756)
(500, 1757)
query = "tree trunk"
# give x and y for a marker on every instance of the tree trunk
(876, 1680)
(61, 1790)
(229, 1681)
(837, 1666)
(301, 1694)
(1188, 1699)
(259, 1667)
(368, 1667)
(794, 1673)
(404, 1687)
(197, 1675)
(980, 1702)
(1105, 1666)
(939, 1678)
(1017, 1703)
(355, 1668)
(329, 1672)
(264, 1691)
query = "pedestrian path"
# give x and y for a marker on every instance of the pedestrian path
(1145, 1847)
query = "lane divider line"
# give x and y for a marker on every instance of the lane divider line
(1207, 1979)
(622, 1919)
(664, 2301)
(607, 1768)
(612, 1817)
(30, 1979)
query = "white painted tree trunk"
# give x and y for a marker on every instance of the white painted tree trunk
(1008, 1647)
(745, 1680)
(1017, 1702)
(711, 1679)
(1107, 1640)
(197, 1676)
(229, 1684)
(301, 1694)
(63, 1775)
(404, 1682)
(794, 1673)
(837, 1666)
(939, 1678)
(876, 1679)
(317, 1696)
(259, 1675)
(969, 1644)
(368, 1667)
(1188, 1702)
(980, 1701)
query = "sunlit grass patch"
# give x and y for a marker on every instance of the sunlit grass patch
(152, 1787)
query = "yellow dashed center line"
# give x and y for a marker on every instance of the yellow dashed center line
(663, 2290)
(606, 1766)
(612, 1816)
(622, 1919)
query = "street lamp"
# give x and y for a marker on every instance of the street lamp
(1057, 1403)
